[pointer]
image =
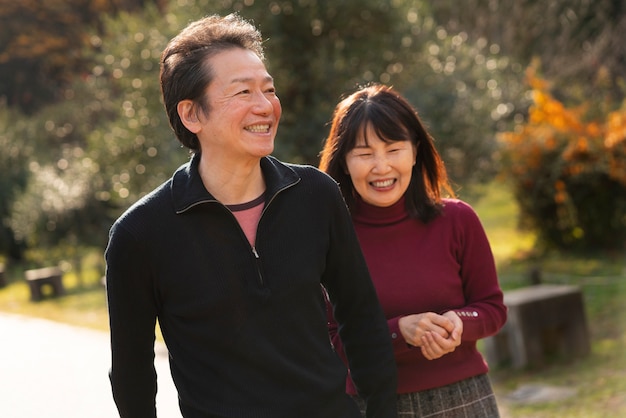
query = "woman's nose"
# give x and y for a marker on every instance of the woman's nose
(381, 164)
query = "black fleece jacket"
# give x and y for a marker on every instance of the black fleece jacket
(245, 326)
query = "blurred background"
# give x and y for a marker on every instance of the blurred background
(525, 98)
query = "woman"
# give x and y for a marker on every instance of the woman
(429, 256)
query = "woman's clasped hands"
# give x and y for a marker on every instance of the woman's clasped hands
(435, 334)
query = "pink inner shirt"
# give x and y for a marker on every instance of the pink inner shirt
(248, 215)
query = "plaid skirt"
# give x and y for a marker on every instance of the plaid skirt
(472, 397)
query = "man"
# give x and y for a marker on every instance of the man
(230, 256)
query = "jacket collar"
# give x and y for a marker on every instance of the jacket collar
(188, 190)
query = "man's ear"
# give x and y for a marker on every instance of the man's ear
(187, 112)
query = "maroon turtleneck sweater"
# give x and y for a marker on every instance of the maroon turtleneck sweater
(444, 265)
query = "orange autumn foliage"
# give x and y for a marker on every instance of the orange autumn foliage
(568, 168)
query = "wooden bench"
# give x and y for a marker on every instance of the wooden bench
(47, 276)
(544, 322)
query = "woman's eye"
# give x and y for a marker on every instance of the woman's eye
(397, 148)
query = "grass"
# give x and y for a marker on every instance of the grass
(498, 213)
(84, 303)
(600, 379)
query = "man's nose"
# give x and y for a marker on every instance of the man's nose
(262, 104)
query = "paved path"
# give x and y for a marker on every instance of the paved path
(53, 370)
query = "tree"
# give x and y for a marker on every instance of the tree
(91, 151)
(567, 165)
(576, 40)
(13, 175)
(465, 89)
(41, 45)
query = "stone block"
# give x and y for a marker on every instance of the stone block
(544, 322)
(47, 276)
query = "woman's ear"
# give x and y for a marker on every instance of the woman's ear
(189, 117)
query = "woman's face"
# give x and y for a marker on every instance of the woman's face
(380, 171)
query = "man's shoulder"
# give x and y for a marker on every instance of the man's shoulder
(309, 173)
(149, 205)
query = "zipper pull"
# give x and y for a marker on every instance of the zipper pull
(258, 266)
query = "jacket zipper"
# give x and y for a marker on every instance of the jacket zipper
(257, 257)
(258, 266)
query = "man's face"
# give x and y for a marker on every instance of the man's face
(244, 109)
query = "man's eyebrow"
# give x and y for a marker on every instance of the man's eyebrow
(268, 78)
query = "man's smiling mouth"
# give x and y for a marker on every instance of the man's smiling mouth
(258, 128)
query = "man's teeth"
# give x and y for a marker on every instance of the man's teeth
(258, 128)
(384, 183)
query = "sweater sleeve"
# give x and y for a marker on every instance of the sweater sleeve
(484, 312)
(360, 322)
(400, 346)
(132, 319)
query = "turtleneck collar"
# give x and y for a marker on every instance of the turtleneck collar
(366, 213)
